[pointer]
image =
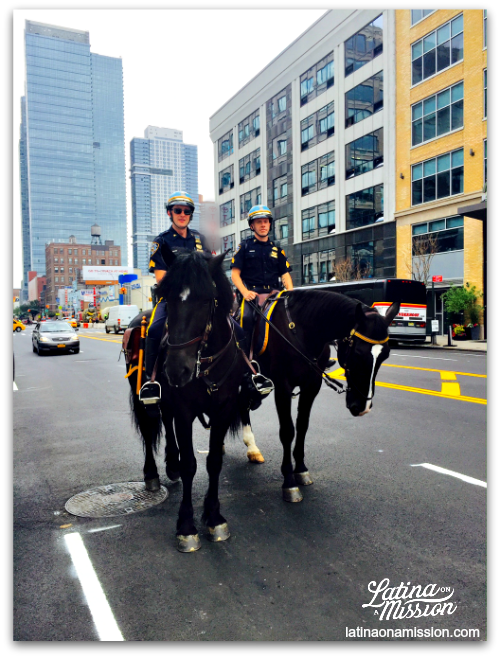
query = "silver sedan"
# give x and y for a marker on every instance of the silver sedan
(55, 336)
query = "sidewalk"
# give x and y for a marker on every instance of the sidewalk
(466, 345)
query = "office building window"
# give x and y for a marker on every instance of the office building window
(282, 104)
(438, 114)
(227, 213)
(447, 234)
(281, 228)
(226, 145)
(250, 199)
(365, 207)
(227, 242)
(317, 127)
(364, 46)
(418, 15)
(249, 128)
(364, 154)
(226, 179)
(485, 95)
(365, 99)
(279, 148)
(280, 190)
(318, 221)
(438, 177)
(249, 166)
(247, 233)
(318, 267)
(317, 79)
(318, 174)
(438, 50)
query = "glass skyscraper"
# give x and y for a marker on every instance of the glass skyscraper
(72, 144)
(160, 164)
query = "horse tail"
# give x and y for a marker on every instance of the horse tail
(149, 427)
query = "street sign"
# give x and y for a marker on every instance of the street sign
(434, 326)
(437, 278)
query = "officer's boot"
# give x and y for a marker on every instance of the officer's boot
(257, 386)
(150, 392)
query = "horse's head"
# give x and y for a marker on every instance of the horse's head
(196, 291)
(362, 353)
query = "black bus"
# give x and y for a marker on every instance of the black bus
(409, 325)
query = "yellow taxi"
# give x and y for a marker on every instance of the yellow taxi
(18, 326)
(72, 322)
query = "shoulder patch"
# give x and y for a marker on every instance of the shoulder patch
(154, 248)
(283, 252)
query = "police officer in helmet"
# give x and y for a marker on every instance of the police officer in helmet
(180, 208)
(256, 268)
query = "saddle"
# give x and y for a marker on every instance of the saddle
(260, 329)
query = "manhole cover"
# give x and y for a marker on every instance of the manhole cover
(115, 500)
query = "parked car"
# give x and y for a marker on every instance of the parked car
(18, 326)
(56, 335)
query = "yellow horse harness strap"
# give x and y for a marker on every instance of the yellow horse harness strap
(368, 340)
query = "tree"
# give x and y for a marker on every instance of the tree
(346, 270)
(463, 299)
(418, 261)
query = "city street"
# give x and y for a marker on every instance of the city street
(389, 501)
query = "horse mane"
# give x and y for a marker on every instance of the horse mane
(190, 269)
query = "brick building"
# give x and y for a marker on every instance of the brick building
(64, 262)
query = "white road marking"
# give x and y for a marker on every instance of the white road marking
(14, 387)
(415, 356)
(106, 625)
(460, 476)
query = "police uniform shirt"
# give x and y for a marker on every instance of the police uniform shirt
(192, 241)
(261, 263)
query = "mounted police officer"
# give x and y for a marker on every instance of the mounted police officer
(256, 268)
(180, 208)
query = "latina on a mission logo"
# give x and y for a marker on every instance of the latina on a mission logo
(407, 601)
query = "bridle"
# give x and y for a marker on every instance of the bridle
(354, 333)
(214, 358)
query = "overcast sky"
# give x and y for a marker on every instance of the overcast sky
(179, 67)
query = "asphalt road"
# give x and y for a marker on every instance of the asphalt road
(289, 571)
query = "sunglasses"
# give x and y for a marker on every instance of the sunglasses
(186, 211)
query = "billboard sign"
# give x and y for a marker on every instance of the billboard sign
(100, 274)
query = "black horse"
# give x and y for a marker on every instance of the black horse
(199, 370)
(311, 320)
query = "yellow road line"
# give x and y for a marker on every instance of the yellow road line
(422, 391)
(446, 374)
(466, 374)
(106, 340)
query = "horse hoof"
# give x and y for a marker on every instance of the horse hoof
(292, 495)
(188, 543)
(255, 457)
(219, 533)
(303, 479)
(152, 485)
(173, 476)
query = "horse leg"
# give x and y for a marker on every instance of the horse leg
(187, 535)
(253, 453)
(171, 449)
(216, 523)
(150, 429)
(283, 398)
(306, 399)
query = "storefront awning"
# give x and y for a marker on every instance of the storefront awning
(475, 210)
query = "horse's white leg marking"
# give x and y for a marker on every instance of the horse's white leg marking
(253, 453)
(185, 294)
(376, 351)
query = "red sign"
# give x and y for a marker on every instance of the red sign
(437, 277)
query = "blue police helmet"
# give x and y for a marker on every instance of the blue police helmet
(179, 199)
(259, 211)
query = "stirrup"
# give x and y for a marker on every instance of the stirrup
(332, 361)
(150, 393)
(263, 385)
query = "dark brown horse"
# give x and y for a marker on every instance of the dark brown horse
(311, 321)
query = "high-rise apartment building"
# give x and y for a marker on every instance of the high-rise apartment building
(441, 154)
(209, 222)
(312, 136)
(160, 164)
(72, 145)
